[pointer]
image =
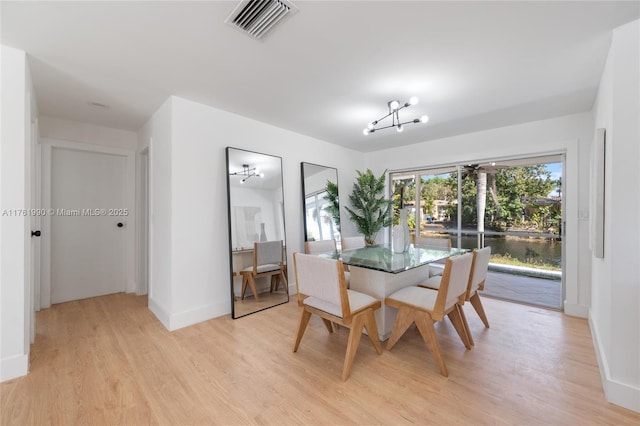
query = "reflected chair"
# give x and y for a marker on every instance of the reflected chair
(322, 291)
(351, 243)
(267, 262)
(424, 306)
(322, 246)
(433, 242)
(479, 268)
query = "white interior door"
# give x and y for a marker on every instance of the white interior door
(88, 196)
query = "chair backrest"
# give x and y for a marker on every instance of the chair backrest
(323, 279)
(267, 252)
(322, 246)
(478, 270)
(351, 243)
(453, 286)
(433, 242)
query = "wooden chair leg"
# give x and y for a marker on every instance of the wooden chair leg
(403, 320)
(283, 279)
(456, 319)
(304, 321)
(466, 325)
(357, 323)
(477, 305)
(372, 330)
(252, 285)
(244, 286)
(428, 332)
(328, 324)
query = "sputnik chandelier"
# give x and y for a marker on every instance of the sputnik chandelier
(394, 108)
(247, 172)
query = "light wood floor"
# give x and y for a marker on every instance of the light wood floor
(108, 361)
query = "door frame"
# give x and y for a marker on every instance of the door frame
(144, 221)
(48, 145)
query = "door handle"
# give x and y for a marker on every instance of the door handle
(36, 233)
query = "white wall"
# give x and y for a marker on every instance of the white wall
(570, 134)
(614, 314)
(268, 201)
(192, 165)
(15, 303)
(68, 130)
(318, 182)
(156, 135)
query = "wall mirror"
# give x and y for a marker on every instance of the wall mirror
(257, 236)
(321, 203)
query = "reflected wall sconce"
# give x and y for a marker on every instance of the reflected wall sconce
(394, 108)
(247, 172)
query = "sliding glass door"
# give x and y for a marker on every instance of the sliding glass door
(514, 206)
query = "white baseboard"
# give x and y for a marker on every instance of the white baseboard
(15, 366)
(575, 310)
(159, 312)
(204, 313)
(618, 393)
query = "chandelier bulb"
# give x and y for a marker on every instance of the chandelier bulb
(424, 119)
(394, 105)
(366, 132)
(400, 127)
(413, 100)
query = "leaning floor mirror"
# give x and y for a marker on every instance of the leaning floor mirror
(257, 249)
(321, 203)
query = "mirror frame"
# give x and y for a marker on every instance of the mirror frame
(228, 151)
(304, 195)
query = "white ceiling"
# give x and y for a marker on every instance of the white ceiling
(327, 70)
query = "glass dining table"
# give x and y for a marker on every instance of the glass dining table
(378, 271)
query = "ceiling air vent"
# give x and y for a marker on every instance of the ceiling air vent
(258, 17)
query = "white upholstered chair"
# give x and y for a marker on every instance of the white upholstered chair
(351, 243)
(433, 242)
(424, 306)
(321, 246)
(322, 291)
(477, 277)
(267, 262)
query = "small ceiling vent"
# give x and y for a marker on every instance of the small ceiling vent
(258, 17)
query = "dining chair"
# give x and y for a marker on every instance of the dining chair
(322, 291)
(267, 262)
(476, 281)
(321, 246)
(477, 278)
(351, 243)
(433, 242)
(424, 306)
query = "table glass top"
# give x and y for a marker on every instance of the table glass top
(382, 258)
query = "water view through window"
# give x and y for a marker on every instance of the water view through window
(513, 206)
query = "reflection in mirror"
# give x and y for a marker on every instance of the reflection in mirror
(256, 231)
(321, 203)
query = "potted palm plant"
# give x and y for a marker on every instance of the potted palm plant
(333, 208)
(371, 211)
